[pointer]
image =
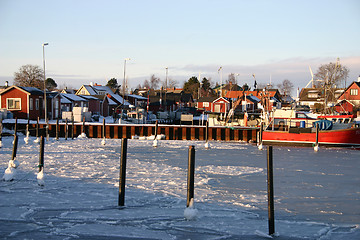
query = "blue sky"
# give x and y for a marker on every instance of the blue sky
(89, 40)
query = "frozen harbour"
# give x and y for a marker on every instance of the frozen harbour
(317, 194)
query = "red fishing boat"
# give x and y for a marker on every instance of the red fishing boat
(335, 130)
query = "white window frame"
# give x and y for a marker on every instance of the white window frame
(8, 107)
(37, 104)
(206, 104)
(353, 92)
(31, 103)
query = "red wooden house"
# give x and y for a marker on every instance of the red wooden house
(221, 105)
(344, 107)
(352, 93)
(28, 102)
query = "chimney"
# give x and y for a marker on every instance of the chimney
(6, 84)
(359, 78)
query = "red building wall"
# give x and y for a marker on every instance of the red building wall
(15, 93)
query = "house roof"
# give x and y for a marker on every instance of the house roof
(253, 99)
(225, 99)
(88, 97)
(257, 93)
(33, 90)
(111, 102)
(137, 97)
(117, 99)
(356, 83)
(95, 89)
(343, 101)
(64, 100)
(207, 99)
(304, 94)
(27, 90)
(73, 97)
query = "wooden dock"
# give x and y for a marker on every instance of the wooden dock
(171, 132)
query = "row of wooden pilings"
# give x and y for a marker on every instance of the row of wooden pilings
(171, 132)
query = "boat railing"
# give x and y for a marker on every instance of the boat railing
(285, 124)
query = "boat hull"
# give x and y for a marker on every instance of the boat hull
(338, 138)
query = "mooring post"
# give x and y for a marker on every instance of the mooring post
(72, 126)
(15, 127)
(66, 129)
(83, 126)
(13, 156)
(261, 132)
(47, 129)
(28, 127)
(207, 132)
(122, 172)
(41, 156)
(270, 189)
(57, 129)
(1, 128)
(317, 135)
(191, 177)
(156, 128)
(37, 127)
(103, 129)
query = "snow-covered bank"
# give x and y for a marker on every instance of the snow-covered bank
(79, 196)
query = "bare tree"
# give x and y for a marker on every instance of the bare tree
(172, 83)
(286, 87)
(146, 84)
(332, 74)
(231, 78)
(29, 76)
(154, 82)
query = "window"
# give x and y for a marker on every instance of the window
(313, 94)
(206, 104)
(31, 104)
(353, 92)
(14, 103)
(37, 104)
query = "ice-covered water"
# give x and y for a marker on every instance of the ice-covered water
(316, 193)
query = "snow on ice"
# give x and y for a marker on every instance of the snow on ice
(316, 194)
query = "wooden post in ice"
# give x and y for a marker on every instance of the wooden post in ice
(13, 156)
(270, 189)
(316, 147)
(155, 142)
(156, 128)
(191, 173)
(66, 129)
(57, 129)
(47, 129)
(122, 172)
(10, 172)
(41, 156)
(260, 144)
(83, 126)
(15, 127)
(40, 175)
(1, 127)
(207, 135)
(103, 129)
(103, 133)
(37, 128)
(72, 126)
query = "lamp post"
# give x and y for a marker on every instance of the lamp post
(220, 69)
(122, 111)
(166, 80)
(45, 105)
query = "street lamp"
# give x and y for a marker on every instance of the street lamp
(126, 59)
(220, 69)
(166, 80)
(45, 105)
